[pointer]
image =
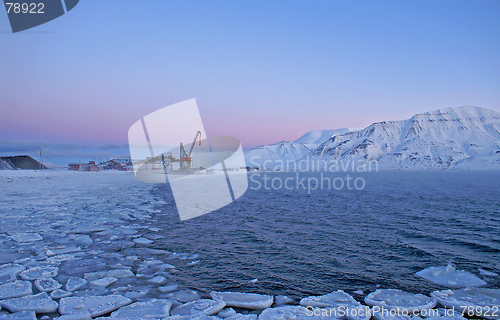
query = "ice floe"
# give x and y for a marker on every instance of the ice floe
(62, 250)
(75, 283)
(104, 282)
(151, 262)
(450, 277)
(47, 284)
(137, 294)
(15, 289)
(244, 300)
(39, 303)
(25, 236)
(142, 241)
(151, 309)
(83, 239)
(9, 271)
(39, 272)
(23, 315)
(158, 280)
(115, 273)
(199, 307)
(58, 294)
(168, 288)
(281, 300)
(226, 313)
(335, 299)
(401, 300)
(480, 302)
(65, 257)
(185, 295)
(96, 291)
(95, 305)
(487, 273)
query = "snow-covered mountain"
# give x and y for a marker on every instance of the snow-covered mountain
(464, 137)
(271, 155)
(315, 138)
(290, 150)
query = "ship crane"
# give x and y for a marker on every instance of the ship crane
(185, 159)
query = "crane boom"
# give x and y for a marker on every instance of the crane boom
(194, 142)
(185, 157)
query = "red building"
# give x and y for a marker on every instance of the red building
(76, 166)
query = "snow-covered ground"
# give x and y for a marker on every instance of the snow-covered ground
(80, 245)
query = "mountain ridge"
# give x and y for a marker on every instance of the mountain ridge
(466, 137)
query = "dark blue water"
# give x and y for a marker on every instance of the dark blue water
(299, 243)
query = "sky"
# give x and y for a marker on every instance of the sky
(260, 71)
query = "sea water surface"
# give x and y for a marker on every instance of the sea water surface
(301, 243)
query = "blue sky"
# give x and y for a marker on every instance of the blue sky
(261, 71)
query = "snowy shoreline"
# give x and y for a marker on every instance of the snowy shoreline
(73, 241)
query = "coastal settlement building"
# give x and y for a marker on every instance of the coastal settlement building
(91, 166)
